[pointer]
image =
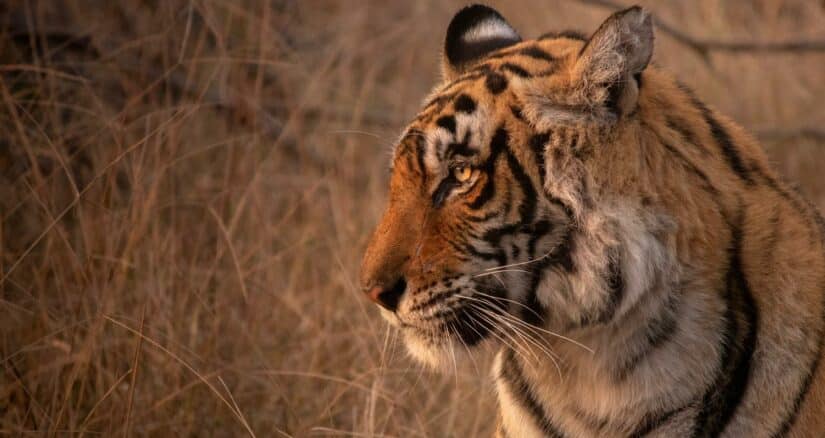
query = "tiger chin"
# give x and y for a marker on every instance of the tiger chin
(639, 266)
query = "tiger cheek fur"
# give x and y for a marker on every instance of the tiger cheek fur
(639, 265)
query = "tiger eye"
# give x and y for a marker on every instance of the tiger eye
(462, 173)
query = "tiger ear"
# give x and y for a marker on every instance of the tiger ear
(475, 31)
(611, 61)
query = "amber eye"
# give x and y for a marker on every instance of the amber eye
(462, 173)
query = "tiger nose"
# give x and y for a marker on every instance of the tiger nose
(388, 297)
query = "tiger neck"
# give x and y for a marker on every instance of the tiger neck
(624, 315)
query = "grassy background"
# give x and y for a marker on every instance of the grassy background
(186, 188)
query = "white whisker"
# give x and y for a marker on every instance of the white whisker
(493, 317)
(527, 262)
(483, 274)
(513, 346)
(542, 330)
(476, 291)
(500, 318)
(547, 351)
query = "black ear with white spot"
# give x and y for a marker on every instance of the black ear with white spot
(475, 31)
(611, 61)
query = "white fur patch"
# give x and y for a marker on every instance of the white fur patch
(436, 138)
(445, 356)
(491, 28)
(646, 263)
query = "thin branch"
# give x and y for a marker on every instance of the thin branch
(703, 46)
(780, 134)
(706, 45)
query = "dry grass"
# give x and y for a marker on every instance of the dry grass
(186, 188)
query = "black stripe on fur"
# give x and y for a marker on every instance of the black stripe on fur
(657, 333)
(512, 374)
(738, 343)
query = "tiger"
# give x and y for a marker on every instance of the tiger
(627, 252)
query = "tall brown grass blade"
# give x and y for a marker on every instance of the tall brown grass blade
(127, 431)
(88, 417)
(232, 252)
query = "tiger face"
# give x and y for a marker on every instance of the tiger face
(484, 188)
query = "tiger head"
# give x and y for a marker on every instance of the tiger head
(488, 182)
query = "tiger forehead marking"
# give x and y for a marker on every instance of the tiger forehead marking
(458, 120)
(641, 268)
